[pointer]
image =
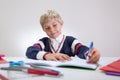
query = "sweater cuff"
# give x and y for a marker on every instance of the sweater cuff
(45, 55)
(40, 54)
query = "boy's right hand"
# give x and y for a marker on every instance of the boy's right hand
(57, 56)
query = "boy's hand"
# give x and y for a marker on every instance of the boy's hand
(95, 56)
(57, 56)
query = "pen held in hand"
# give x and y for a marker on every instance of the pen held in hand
(88, 53)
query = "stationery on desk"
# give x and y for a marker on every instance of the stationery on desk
(38, 66)
(75, 62)
(27, 73)
(3, 62)
(2, 77)
(112, 68)
(32, 70)
(20, 66)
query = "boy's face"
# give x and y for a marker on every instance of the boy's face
(53, 28)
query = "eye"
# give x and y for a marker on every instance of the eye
(54, 25)
(47, 28)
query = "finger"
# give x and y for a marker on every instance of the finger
(66, 57)
(94, 59)
(96, 56)
(54, 59)
(60, 58)
(93, 54)
(92, 51)
(63, 57)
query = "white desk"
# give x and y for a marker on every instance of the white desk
(69, 74)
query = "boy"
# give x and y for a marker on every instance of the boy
(58, 46)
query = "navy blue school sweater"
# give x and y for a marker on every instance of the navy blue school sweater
(78, 50)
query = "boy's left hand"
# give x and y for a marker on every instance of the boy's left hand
(95, 56)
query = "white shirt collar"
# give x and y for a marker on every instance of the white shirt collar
(58, 39)
(56, 44)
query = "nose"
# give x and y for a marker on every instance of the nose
(51, 29)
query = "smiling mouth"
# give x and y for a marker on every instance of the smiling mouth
(54, 34)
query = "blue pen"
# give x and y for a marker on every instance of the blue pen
(88, 54)
(18, 63)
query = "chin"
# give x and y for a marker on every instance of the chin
(54, 37)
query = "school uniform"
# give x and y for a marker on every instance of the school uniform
(63, 44)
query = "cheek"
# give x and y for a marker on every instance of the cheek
(47, 32)
(59, 29)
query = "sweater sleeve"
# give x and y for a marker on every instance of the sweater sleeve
(36, 51)
(79, 49)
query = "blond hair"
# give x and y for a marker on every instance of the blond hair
(48, 15)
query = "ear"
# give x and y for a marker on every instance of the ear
(43, 28)
(62, 22)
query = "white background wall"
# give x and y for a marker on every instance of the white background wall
(87, 20)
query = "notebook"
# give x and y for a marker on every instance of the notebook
(112, 68)
(75, 62)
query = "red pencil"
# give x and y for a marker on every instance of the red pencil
(34, 71)
(41, 72)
